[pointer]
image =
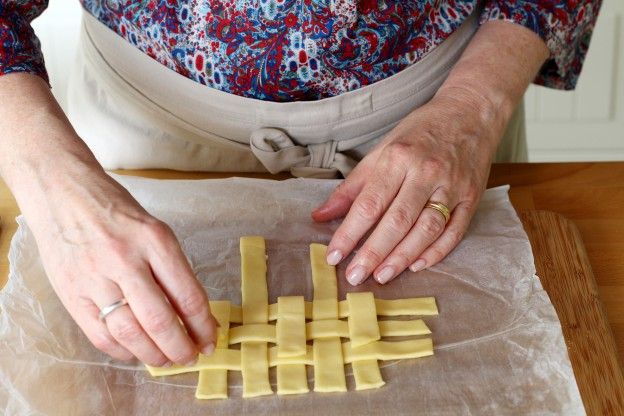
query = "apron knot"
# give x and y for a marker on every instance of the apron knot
(279, 153)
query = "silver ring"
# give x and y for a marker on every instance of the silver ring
(105, 311)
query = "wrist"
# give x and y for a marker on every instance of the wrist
(489, 106)
(472, 115)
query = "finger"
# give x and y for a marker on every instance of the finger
(453, 234)
(428, 228)
(396, 223)
(97, 332)
(125, 328)
(157, 317)
(365, 211)
(340, 200)
(187, 296)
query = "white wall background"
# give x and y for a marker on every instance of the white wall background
(586, 124)
(58, 29)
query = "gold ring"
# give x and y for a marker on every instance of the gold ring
(441, 208)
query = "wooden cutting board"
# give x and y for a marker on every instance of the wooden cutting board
(564, 270)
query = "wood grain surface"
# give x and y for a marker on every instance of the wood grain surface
(563, 267)
(592, 196)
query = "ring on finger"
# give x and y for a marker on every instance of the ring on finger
(441, 208)
(107, 310)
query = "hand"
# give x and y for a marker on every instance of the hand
(442, 153)
(97, 244)
(100, 246)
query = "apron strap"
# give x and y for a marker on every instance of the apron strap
(278, 153)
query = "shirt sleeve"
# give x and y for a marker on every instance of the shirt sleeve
(565, 26)
(20, 50)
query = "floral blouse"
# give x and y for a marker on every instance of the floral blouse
(285, 50)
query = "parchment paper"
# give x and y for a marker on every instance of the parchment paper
(498, 343)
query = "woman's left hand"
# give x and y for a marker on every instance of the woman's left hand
(441, 152)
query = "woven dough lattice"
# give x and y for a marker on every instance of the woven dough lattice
(325, 328)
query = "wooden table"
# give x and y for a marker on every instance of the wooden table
(589, 194)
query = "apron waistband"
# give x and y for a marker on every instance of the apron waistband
(307, 138)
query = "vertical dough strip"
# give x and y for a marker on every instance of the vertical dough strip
(364, 329)
(329, 373)
(212, 384)
(255, 305)
(291, 343)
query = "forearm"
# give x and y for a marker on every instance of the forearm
(493, 73)
(41, 156)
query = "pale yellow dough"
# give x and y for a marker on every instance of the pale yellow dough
(212, 384)
(327, 352)
(364, 335)
(254, 293)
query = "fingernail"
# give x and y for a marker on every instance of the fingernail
(167, 364)
(418, 265)
(357, 275)
(334, 257)
(191, 362)
(385, 274)
(208, 349)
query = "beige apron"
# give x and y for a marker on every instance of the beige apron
(135, 113)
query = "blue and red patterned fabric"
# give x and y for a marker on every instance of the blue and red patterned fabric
(286, 50)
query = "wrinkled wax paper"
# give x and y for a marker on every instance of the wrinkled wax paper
(499, 348)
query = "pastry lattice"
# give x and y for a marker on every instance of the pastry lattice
(291, 353)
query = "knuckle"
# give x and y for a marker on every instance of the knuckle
(436, 254)
(159, 229)
(156, 360)
(128, 331)
(455, 237)
(430, 226)
(119, 248)
(403, 257)
(433, 166)
(159, 322)
(193, 304)
(183, 357)
(401, 218)
(472, 196)
(370, 255)
(123, 355)
(399, 151)
(344, 240)
(103, 343)
(369, 207)
(342, 190)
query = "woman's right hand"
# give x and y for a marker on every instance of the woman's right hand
(97, 244)
(100, 246)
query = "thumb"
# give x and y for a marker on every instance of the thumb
(340, 200)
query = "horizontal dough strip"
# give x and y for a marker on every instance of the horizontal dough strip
(411, 306)
(378, 350)
(325, 329)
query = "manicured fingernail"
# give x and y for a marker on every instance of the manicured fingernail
(385, 274)
(208, 349)
(167, 364)
(192, 362)
(418, 265)
(334, 257)
(357, 275)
